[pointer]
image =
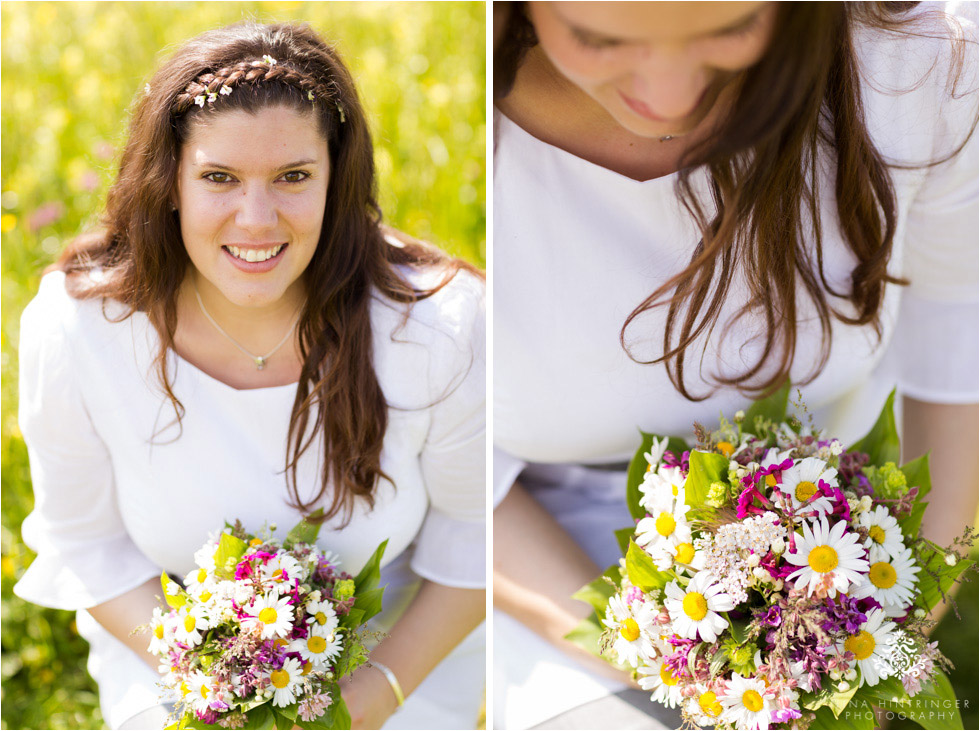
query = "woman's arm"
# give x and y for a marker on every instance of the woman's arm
(536, 569)
(120, 616)
(438, 619)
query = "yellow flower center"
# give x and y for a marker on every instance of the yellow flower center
(205, 595)
(316, 644)
(184, 690)
(726, 448)
(280, 643)
(204, 691)
(882, 575)
(673, 490)
(190, 622)
(709, 703)
(268, 615)
(695, 606)
(649, 467)
(255, 542)
(862, 644)
(202, 576)
(685, 553)
(667, 677)
(277, 575)
(877, 534)
(823, 559)
(279, 678)
(666, 524)
(321, 618)
(307, 667)
(805, 491)
(630, 629)
(158, 631)
(752, 700)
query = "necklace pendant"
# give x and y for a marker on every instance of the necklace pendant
(259, 362)
(667, 138)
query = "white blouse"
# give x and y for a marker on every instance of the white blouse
(122, 491)
(577, 247)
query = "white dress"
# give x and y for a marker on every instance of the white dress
(122, 492)
(577, 247)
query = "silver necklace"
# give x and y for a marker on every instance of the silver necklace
(667, 138)
(259, 360)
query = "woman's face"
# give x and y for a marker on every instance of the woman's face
(656, 67)
(251, 191)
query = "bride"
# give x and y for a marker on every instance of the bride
(244, 340)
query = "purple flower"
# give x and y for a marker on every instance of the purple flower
(745, 506)
(772, 618)
(785, 715)
(841, 509)
(844, 615)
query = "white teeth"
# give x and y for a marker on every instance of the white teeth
(254, 255)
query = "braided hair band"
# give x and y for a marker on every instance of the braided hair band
(209, 87)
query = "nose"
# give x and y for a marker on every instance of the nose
(670, 81)
(257, 210)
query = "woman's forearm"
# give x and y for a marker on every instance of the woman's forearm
(120, 616)
(437, 619)
(536, 569)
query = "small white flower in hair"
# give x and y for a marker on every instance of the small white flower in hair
(211, 97)
(309, 95)
(199, 100)
(225, 90)
(269, 60)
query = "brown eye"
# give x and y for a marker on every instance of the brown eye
(295, 176)
(218, 177)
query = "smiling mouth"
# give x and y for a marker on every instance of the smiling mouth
(255, 255)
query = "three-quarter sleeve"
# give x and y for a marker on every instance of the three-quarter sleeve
(84, 554)
(450, 547)
(939, 318)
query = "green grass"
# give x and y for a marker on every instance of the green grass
(69, 71)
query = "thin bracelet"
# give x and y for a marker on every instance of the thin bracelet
(396, 687)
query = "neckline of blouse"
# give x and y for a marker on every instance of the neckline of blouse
(587, 166)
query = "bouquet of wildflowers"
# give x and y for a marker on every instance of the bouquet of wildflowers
(775, 579)
(262, 632)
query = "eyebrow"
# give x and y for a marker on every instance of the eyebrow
(730, 28)
(230, 169)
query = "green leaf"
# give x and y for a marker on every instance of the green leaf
(881, 443)
(369, 602)
(858, 715)
(933, 558)
(772, 407)
(305, 531)
(287, 712)
(173, 601)
(260, 717)
(598, 591)
(917, 474)
(705, 468)
(586, 635)
(370, 573)
(634, 477)
(739, 628)
(641, 570)
(623, 536)
(229, 553)
(933, 707)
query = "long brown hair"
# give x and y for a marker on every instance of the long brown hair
(802, 98)
(143, 259)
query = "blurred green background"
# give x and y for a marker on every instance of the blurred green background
(69, 73)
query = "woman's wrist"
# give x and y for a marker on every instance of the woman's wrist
(392, 679)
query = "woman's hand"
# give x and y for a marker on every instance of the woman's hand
(536, 569)
(120, 616)
(369, 698)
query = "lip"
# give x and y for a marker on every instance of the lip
(644, 111)
(255, 267)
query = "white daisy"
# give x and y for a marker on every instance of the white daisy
(872, 648)
(197, 689)
(666, 483)
(273, 614)
(684, 557)
(884, 534)
(800, 481)
(204, 556)
(891, 581)
(323, 615)
(656, 677)
(189, 622)
(281, 571)
(160, 633)
(665, 525)
(695, 611)
(704, 707)
(747, 702)
(285, 681)
(772, 458)
(318, 649)
(634, 625)
(827, 556)
(656, 453)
